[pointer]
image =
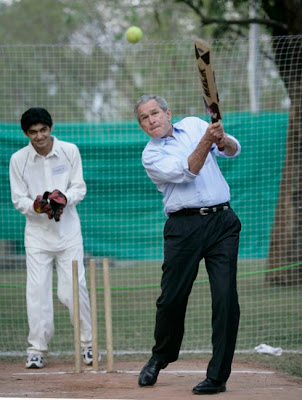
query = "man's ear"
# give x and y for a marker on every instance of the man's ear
(169, 114)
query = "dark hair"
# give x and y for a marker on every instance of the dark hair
(34, 116)
(147, 97)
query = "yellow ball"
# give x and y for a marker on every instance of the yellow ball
(134, 34)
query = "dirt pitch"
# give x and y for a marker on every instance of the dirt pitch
(58, 380)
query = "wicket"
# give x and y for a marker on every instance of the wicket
(76, 316)
(108, 315)
(94, 325)
(93, 307)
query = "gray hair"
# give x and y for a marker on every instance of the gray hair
(147, 97)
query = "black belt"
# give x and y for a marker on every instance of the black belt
(202, 210)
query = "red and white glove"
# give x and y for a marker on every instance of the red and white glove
(57, 201)
(41, 205)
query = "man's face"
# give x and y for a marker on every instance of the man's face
(153, 120)
(39, 136)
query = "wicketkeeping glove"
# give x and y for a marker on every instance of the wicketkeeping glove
(57, 201)
(41, 205)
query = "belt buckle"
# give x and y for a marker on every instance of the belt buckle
(203, 211)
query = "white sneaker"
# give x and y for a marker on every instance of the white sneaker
(87, 355)
(35, 361)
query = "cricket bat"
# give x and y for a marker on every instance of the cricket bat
(207, 77)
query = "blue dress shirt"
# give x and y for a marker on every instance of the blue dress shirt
(166, 163)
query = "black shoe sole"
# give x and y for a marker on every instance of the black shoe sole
(219, 390)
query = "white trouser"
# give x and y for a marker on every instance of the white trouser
(39, 294)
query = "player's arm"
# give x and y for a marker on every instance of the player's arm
(76, 189)
(214, 134)
(21, 199)
(228, 145)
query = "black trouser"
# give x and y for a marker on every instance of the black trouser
(188, 239)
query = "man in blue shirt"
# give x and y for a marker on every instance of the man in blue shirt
(181, 160)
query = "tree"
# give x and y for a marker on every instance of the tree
(80, 31)
(104, 22)
(282, 19)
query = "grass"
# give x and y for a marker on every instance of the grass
(287, 363)
(270, 315)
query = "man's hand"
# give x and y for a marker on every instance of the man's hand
(215, 134)
(41, 205)
(221, 143)
(58, 202)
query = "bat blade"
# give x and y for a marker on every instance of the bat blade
(207, 77)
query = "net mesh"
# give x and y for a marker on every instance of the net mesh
(90, 94)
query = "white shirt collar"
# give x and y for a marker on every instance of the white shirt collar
(54, 151)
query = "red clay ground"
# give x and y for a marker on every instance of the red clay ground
(58, 380)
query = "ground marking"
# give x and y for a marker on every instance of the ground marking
(181, 371)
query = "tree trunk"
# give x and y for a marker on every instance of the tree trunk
(286, 236)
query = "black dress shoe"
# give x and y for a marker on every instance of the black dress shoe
(150, 371)
(209, 386)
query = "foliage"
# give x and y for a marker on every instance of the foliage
(278, 17)
(90, 22)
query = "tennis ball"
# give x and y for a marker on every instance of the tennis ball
(134, 34)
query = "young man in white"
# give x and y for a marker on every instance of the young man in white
(47, 183)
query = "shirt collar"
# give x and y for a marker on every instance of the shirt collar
(175, 132)
(54, 151)
(160, 142)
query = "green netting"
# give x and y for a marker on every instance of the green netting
(122, 213)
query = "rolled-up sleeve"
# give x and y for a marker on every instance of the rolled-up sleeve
(222, 154)
(163, 168)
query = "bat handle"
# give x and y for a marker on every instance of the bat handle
(216, 120)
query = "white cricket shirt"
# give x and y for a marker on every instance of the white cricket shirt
(32, 174)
